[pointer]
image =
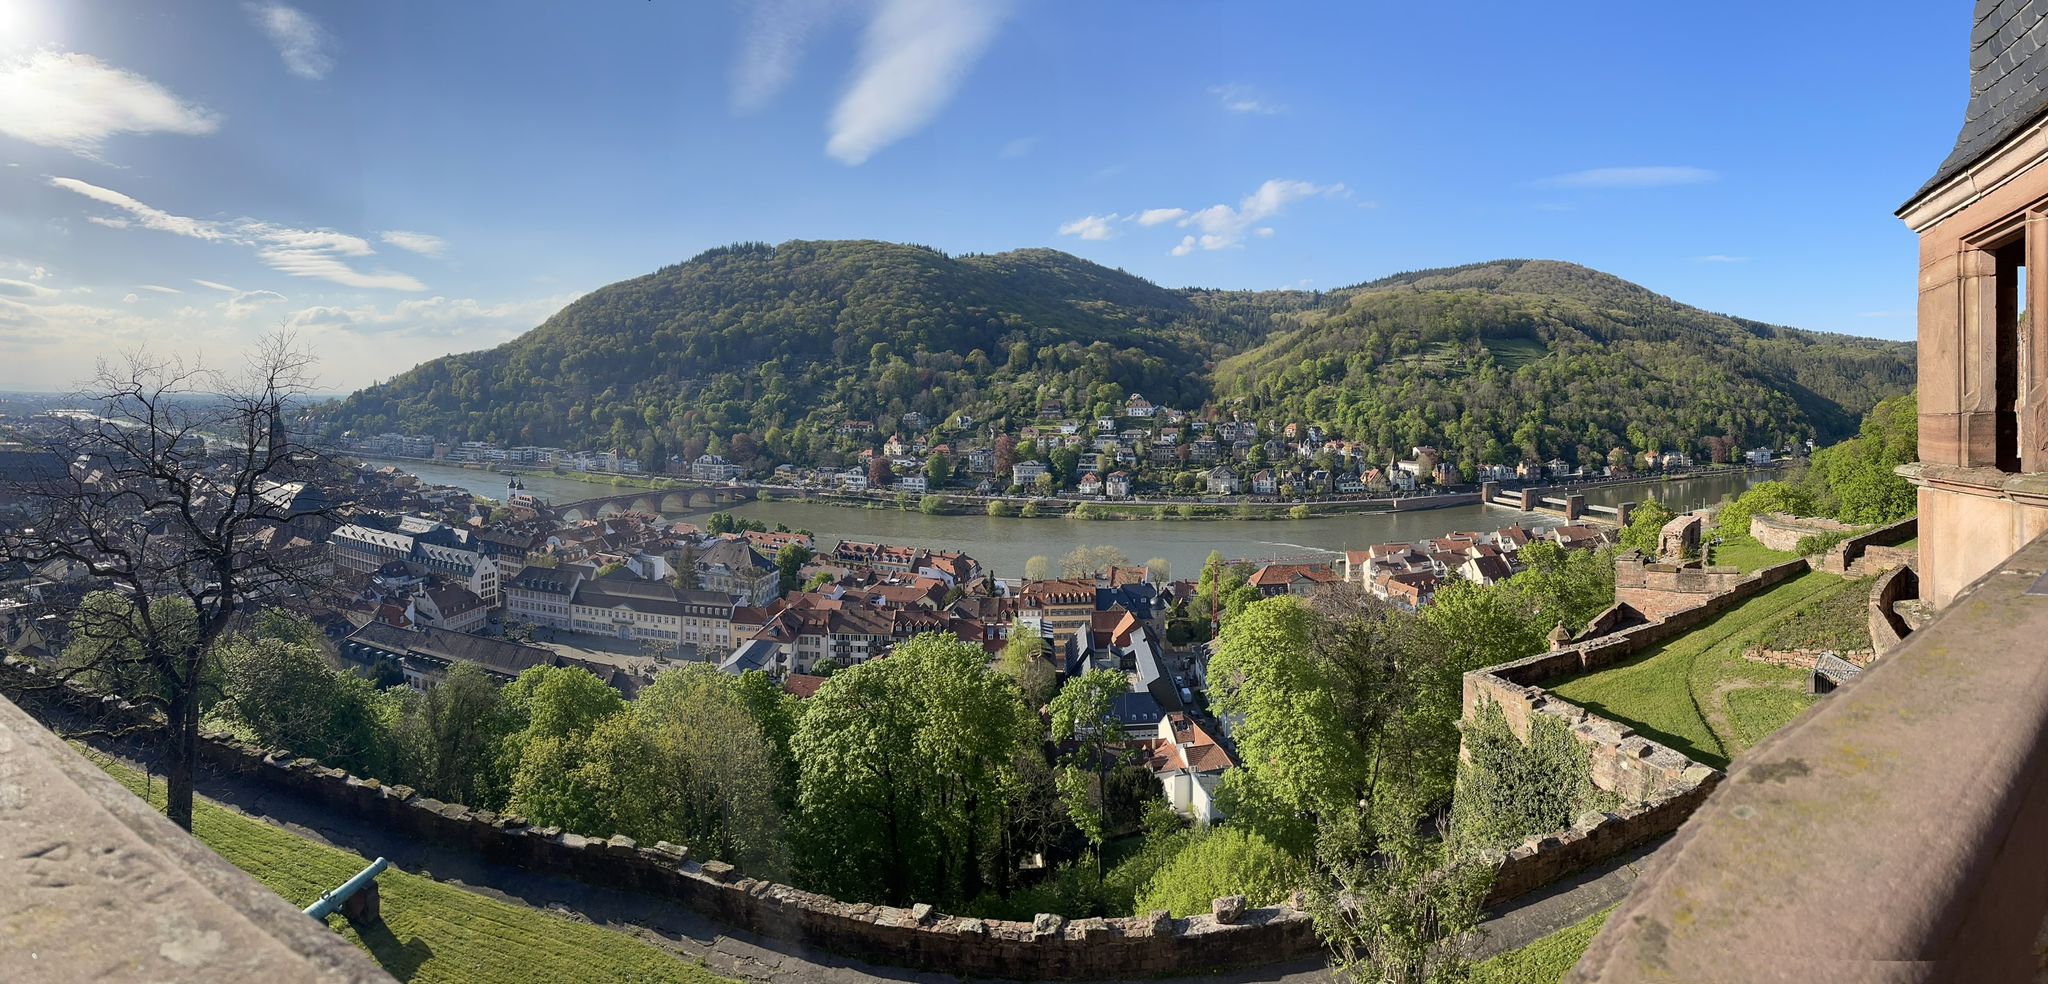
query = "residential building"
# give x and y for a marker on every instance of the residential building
(1027, 473)
(1117, 485)
(1067, 607)
(713, 468)
(1189, 763)
(425, 655)
(1137, 406)
(425, 547)
(734, 567)
(1222, 481)
(544, 595)
(1292, 579)
(1090, 484)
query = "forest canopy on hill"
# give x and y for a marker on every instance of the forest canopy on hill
(766, 349)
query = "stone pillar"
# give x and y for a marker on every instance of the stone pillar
(1531, 498)
(1487, 490)
(1574, 507)
(1623, 512)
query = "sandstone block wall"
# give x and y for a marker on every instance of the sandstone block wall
(1049, 947)
(1661, 590)
(1874, 551)
(1780, 531)
(1887, 629)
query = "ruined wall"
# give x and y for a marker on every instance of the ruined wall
(1049, 947)
(1661, 590)
(1782, 531)
(1877, 550)
(1659, 785)
(1887, 628)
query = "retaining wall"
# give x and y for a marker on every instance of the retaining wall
(1049, 947)
(1887, 629)
(1659, 785)
(1875, 550)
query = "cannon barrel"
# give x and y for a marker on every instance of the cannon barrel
(332, 900)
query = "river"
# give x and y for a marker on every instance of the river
(1004, 544)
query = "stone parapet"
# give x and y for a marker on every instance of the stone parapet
(1051, 947)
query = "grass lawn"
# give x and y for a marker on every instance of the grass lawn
(1545, 961)
(430, 931)
(1744, 552)
(1696, 693)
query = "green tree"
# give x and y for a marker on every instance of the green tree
(449, 739)
(1084, 713)
(1645, 526)
(789, 563)
(1023, 661)
(1037, 569)
(921, 747)
(938, 469)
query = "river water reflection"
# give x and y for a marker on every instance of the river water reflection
(1005, 544)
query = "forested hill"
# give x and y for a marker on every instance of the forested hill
(1534, 357)
(781, 343)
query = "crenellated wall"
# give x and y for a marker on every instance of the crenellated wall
(1049, 947)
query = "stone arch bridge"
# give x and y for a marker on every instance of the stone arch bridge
(663, 502)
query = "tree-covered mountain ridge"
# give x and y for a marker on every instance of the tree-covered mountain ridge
(783, 343)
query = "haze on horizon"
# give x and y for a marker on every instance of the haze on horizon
(403, 181)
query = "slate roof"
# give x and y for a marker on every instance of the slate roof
(2008, 82)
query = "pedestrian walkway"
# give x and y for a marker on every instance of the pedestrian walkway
(762, 960)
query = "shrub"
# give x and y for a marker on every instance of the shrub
(1000, 509)
(1820, 543)
(1030, 510)
(1224, 861)
(932, 505)
(1508, 790)
(1298, 512)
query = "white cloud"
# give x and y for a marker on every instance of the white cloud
(441, 317)
(1241, 99)
(1223, 226)
(75, 102)
(317, 253)
(1091, 226)
(415, 242)
(147, 217)
(111, 222)
(1630, 177)
(217, 286)
(23, 288)
(304, 45)
(130, 299)
(777, 34)
(1017, 148)
(39, 273)
(1720, 258)
(914, 54)
(155, 288)
(1218, 226)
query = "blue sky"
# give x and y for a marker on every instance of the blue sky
(401, 180)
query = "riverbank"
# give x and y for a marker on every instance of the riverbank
(1240, 509)
(1005, 544)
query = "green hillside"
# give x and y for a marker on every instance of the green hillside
(765, 349)
(1532, 358)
